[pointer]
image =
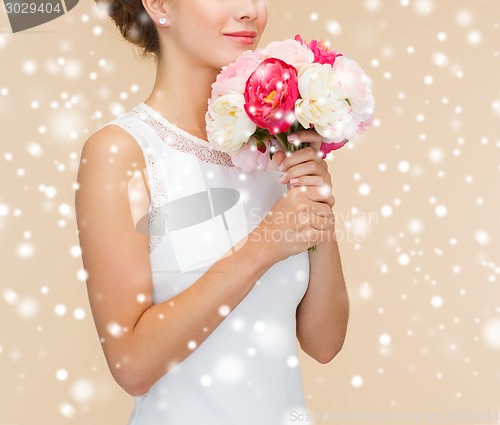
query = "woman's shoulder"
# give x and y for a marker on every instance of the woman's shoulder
(113, 134)
(114, 144)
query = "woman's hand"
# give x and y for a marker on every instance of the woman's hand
(306, 169)
(306, 166)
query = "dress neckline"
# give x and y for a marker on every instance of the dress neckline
(159, 117)
(180, 139)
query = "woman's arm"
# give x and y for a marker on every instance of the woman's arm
(141, 341)
(161, 336)
(323, 312)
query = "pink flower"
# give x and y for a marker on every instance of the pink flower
(289, 51)
(270, 95)
(328, 146)
(251, 157)
(234, 76)
(322, 54)
(366, 124)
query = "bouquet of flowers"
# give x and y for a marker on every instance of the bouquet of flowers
(287, 86)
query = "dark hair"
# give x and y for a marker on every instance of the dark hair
(135, 24)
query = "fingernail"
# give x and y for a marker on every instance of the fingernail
(282, 178)
(281, 167)
(293, 181)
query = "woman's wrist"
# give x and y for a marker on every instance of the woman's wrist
(257, 249)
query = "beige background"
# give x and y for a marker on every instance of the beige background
(417, 202)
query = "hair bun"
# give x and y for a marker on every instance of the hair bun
(134, 23)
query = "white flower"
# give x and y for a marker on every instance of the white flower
(358, 88)
(290, 51)
(228, 125)
(323, 102)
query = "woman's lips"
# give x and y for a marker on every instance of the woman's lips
(240, 39)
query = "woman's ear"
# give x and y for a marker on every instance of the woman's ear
(157, 10)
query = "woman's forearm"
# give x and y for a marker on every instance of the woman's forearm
(323, 313)
(160, 338)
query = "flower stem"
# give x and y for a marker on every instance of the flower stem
(282, 138)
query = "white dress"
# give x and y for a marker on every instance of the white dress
(247, 371)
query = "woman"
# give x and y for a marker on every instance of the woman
(198, 304)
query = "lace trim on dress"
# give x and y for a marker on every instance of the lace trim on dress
(156, 214)
(182, 140)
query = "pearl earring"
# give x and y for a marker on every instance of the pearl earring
(162, 20)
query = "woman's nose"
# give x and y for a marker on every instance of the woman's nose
(247, 9)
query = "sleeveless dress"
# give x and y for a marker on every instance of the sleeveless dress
(247, 371)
